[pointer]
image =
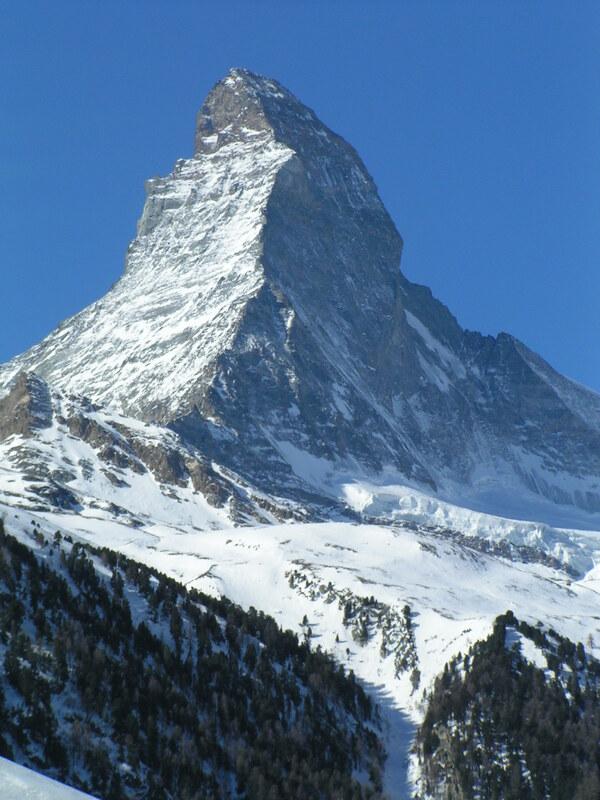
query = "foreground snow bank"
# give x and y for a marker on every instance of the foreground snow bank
(19, 783)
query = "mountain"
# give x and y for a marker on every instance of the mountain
(263, 317)
(265, 411)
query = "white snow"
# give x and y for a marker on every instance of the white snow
(54, 451)
(312, 469)
(395, 501)
(189, 272)
(528, 649)
(19, 783)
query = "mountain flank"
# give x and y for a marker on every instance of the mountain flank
(264, 317)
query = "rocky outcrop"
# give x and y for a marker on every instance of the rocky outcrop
(26, 408)
(69, 454)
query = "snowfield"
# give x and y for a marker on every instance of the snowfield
(19, 783)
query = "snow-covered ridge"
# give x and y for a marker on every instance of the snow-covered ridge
(148, 345)
(63, 452)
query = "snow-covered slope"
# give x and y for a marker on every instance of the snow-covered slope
(20, 783)
(151, 341)
(118, 681)
(393, 602)
(263, 315)
(454, 590)
(63, 452)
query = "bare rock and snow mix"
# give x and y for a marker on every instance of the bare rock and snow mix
(263, 315)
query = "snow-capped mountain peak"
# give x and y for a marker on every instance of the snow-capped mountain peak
(263, 315)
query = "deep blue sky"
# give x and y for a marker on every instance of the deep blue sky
(480, 123)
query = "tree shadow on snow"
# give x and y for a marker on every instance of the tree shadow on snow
(398, 732)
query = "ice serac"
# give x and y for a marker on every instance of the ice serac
(263, 315)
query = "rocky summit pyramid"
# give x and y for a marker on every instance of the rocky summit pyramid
(264, 318)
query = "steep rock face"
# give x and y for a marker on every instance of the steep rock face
(263, 315)
(26, 408)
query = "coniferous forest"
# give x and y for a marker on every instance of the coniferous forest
(499, 727)
(117, 680)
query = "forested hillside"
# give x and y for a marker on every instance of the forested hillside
(517, 718)
(116, 680)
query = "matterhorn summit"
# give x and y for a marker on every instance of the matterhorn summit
(264, 322)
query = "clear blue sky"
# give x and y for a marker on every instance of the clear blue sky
(480, 123)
